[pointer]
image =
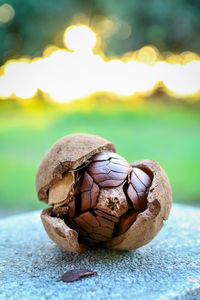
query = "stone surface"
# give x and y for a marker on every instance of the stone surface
(167, 268)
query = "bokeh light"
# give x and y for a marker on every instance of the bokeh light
(7, 13)
(79, 38)
(64, 75)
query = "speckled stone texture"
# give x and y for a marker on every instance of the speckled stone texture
(167, 268)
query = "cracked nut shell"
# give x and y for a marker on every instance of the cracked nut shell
(98, 197)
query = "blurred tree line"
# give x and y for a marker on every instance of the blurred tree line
(169, 25)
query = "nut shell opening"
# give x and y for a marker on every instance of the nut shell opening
(97, 197)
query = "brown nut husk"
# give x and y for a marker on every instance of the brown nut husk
(57, 183)
(68, 153)
(148, 223)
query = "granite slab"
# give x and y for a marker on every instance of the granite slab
(31, 265)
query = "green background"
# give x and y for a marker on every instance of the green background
(158, 128)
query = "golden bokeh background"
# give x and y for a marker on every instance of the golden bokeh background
(129, 72)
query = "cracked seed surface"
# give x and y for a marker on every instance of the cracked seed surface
(109, 195)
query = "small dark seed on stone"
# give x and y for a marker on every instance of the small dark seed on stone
(73, 275)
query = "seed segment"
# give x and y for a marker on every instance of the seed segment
(138, 189)
(108, 169)
(108, 199)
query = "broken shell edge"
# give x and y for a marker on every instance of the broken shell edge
(148, 223)
(61, 234)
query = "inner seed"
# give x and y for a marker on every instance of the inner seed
(108, 199)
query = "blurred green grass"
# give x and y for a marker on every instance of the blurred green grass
(168, 133)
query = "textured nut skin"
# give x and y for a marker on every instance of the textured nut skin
(61, 234)
(67, 153)
(149, 222)
(71, 152)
